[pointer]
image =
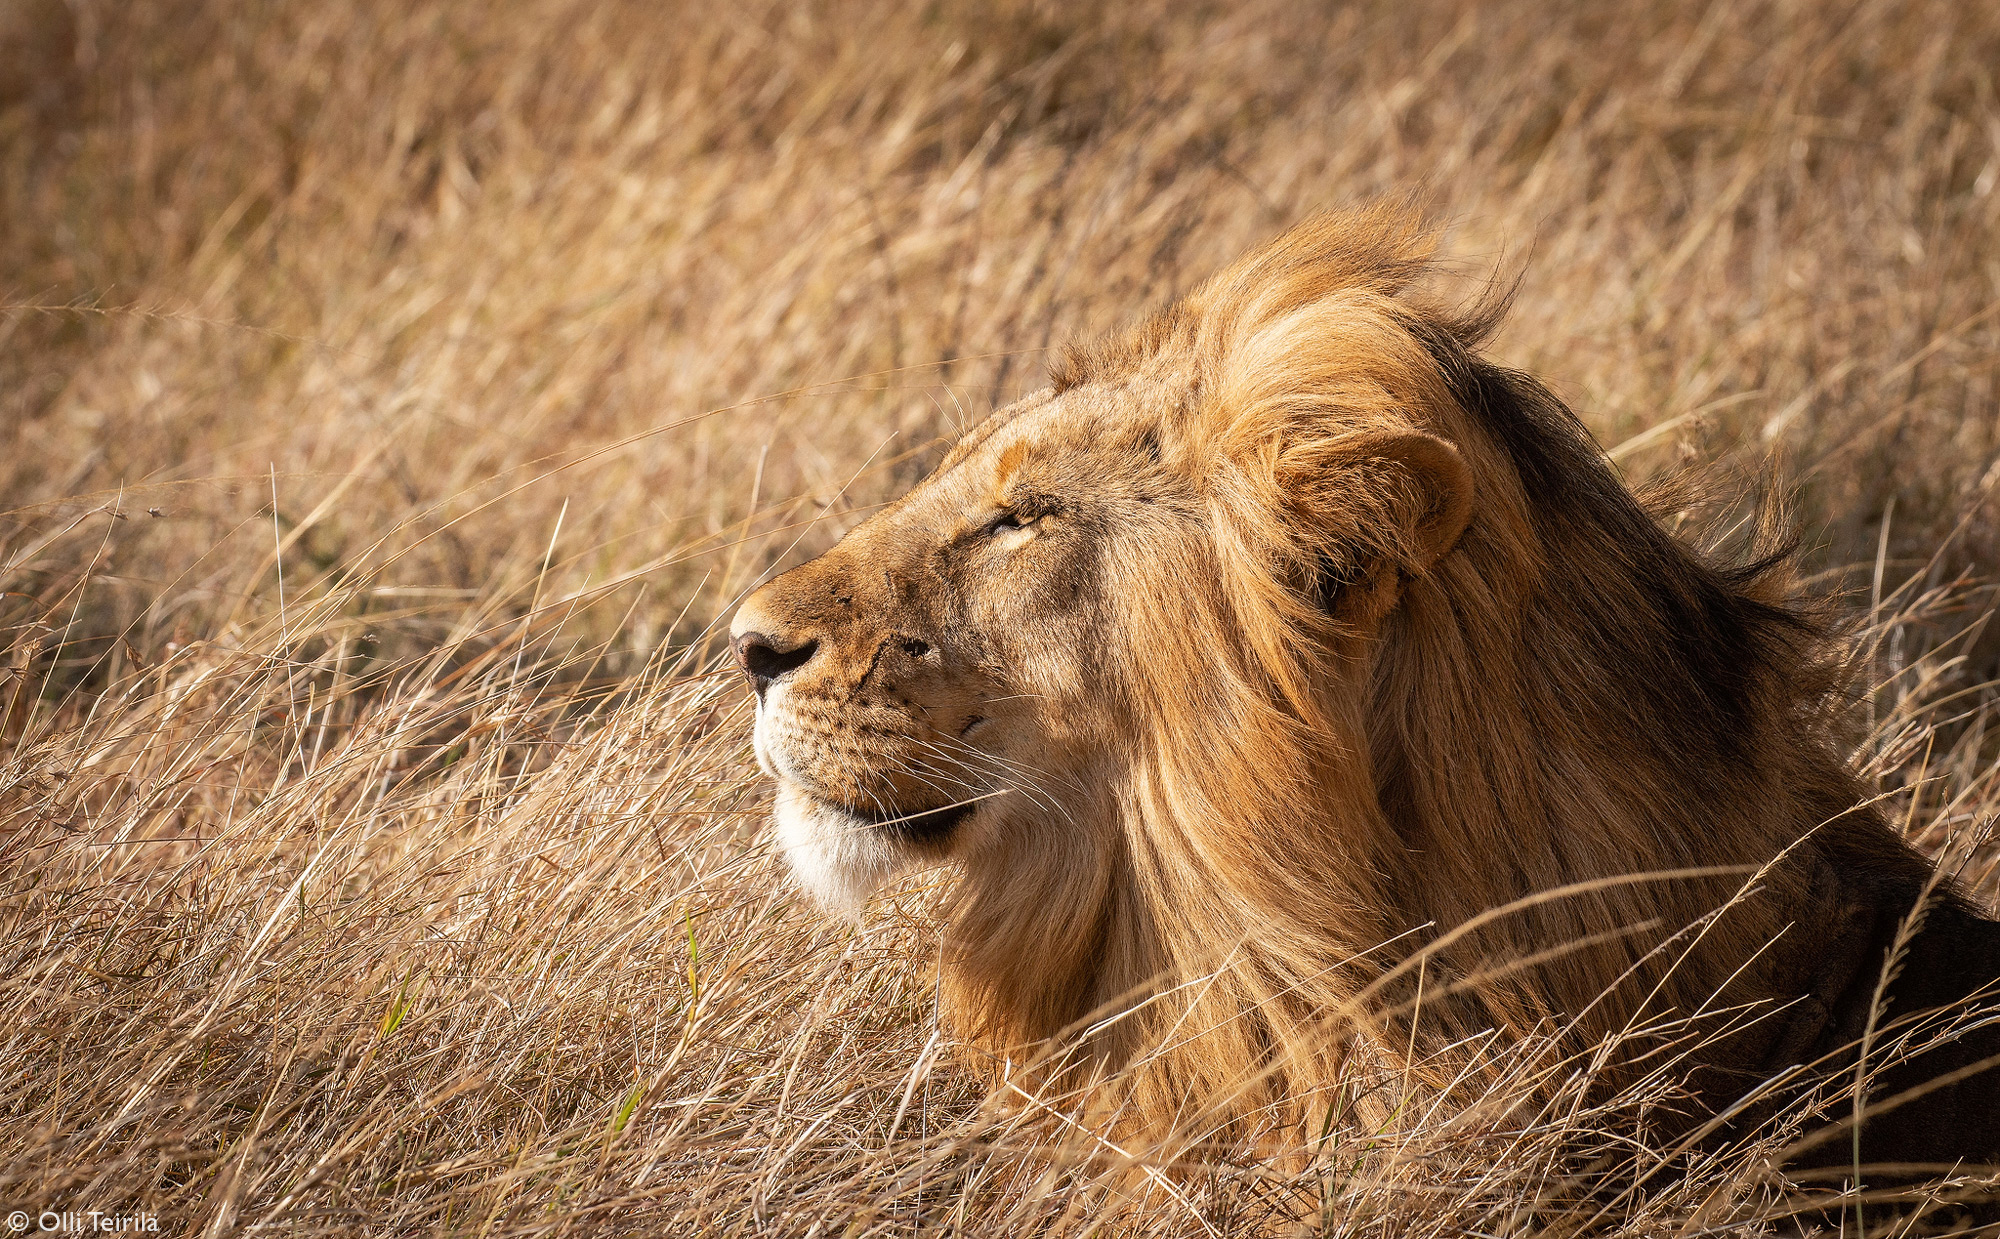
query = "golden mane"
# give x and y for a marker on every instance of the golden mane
(1570, 698)
(1298, 690)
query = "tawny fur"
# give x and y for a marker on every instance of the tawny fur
(1321, 675)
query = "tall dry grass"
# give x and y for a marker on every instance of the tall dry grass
(394, 395)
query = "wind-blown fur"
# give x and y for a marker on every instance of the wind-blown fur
(1379, 720)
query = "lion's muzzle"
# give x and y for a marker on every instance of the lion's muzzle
(864, 706)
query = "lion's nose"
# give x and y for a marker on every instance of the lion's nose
(764, 662)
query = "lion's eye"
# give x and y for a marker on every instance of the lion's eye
(1012, 520)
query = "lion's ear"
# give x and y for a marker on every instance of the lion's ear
(1445, 483)
(1435, 509)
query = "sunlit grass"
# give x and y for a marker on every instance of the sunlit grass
(394, 397)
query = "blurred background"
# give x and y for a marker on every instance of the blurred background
(708, 281)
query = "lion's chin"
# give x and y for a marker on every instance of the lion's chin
(840, 859)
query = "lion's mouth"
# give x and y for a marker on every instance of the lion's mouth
(916, 826)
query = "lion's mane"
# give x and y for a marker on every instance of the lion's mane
(1576, 779)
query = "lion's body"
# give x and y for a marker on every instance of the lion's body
(1303, 643)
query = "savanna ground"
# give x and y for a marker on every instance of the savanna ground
(393, 397)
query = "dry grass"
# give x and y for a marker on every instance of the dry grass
(393, 395)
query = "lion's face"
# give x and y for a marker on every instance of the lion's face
(945, 678)
(1278, 645)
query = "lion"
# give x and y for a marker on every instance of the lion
(1293, 686)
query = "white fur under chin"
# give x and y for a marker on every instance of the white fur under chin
(839, 859)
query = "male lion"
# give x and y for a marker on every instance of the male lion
(1248, 669)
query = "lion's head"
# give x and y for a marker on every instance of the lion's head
(1270, 648)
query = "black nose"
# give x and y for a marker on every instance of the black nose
(764, 662)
